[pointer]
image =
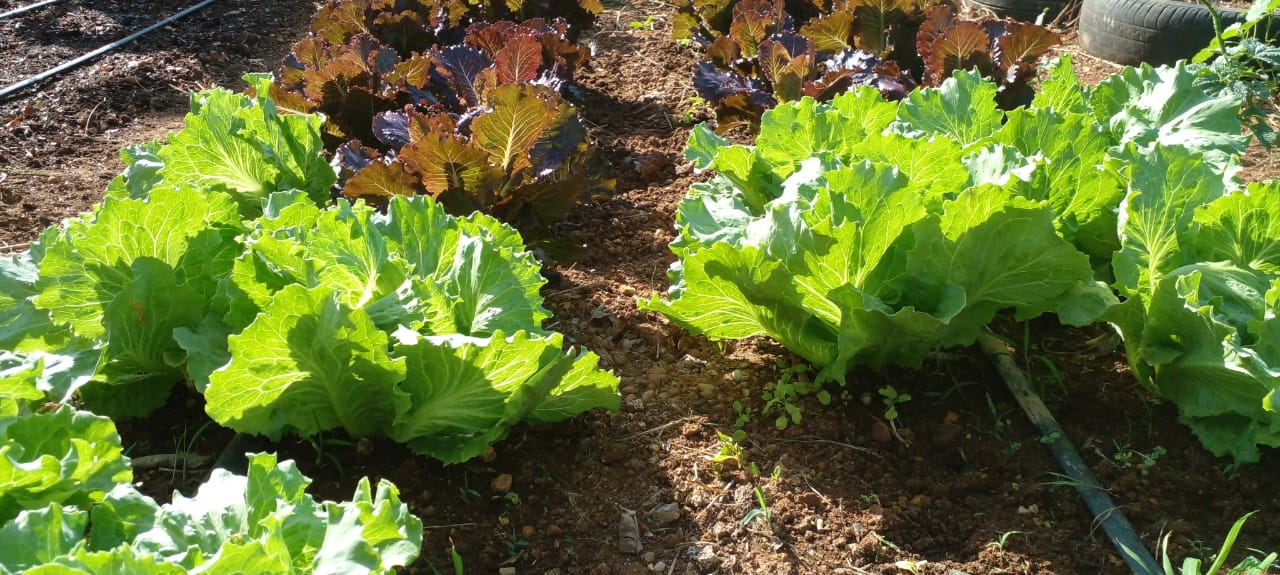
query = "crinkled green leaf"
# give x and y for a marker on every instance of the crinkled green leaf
(23, 327)
(1061, 90)
(1069, 151)
(122, 561)
(1201, 340)
(1165, 186)
(66, 456)
(240, 145)
(1242, 228)
(1162, 105)
(141, 173)
(963, 109)
(932, 166)
(58, 374)
(39, 536)
(872, 253)
(88, 265)
(308, 363)
(264, 523)
(468, 392)
(1001, 251)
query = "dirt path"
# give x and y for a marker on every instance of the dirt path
(973, 490)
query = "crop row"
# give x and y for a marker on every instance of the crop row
(318, 254)
(220, 260)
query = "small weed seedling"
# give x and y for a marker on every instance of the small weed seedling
(183, 445)
(882, 544)
(730, 450)
(646, 24)
(761, 511)
(467, 493)
(892, 399)
(1002, 539)
(744, 415)
(1001, 420)
(323, 447)
(1132, 458)
(454, 557)
(697, 108)
(781, 398)
(1252, 565)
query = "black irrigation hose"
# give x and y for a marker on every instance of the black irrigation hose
(27, 8)
(60, 68)
(233, 457)
(1117, 528)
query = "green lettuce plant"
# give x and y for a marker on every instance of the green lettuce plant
(62, 456)
(863, 233)
(854, 244)
(212, 263)
(260, 523)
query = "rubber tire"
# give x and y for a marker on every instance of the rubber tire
(1022, 10)
(1157, 32)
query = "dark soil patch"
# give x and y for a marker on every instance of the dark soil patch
(969, 487)
(59, 141)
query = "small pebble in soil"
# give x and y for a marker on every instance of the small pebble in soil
(665, 513)
(629, 533)
(946, 435)
(501, 483)
(810, 499)
(506, 571)
(880, 432)
(704, 556)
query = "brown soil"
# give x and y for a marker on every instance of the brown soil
(968, 487)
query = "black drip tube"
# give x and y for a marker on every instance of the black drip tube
(1104, 511)
(63, 67)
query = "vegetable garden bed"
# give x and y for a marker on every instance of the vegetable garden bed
(961, 480)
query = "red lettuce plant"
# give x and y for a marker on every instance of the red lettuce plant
(423, 98)
(353, 81)
(757, 58)
(1004, 51)
(523, 157)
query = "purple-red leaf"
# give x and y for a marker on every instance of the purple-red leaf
(753, 21)
(378, 182)
(830, 33)
(449, 165)
(947, 44)
(519, 60)
(460, 69)
(392, 128)
(1023, 45)
(787, 60)
(516, 119)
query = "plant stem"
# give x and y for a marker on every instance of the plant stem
(1217, 33)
